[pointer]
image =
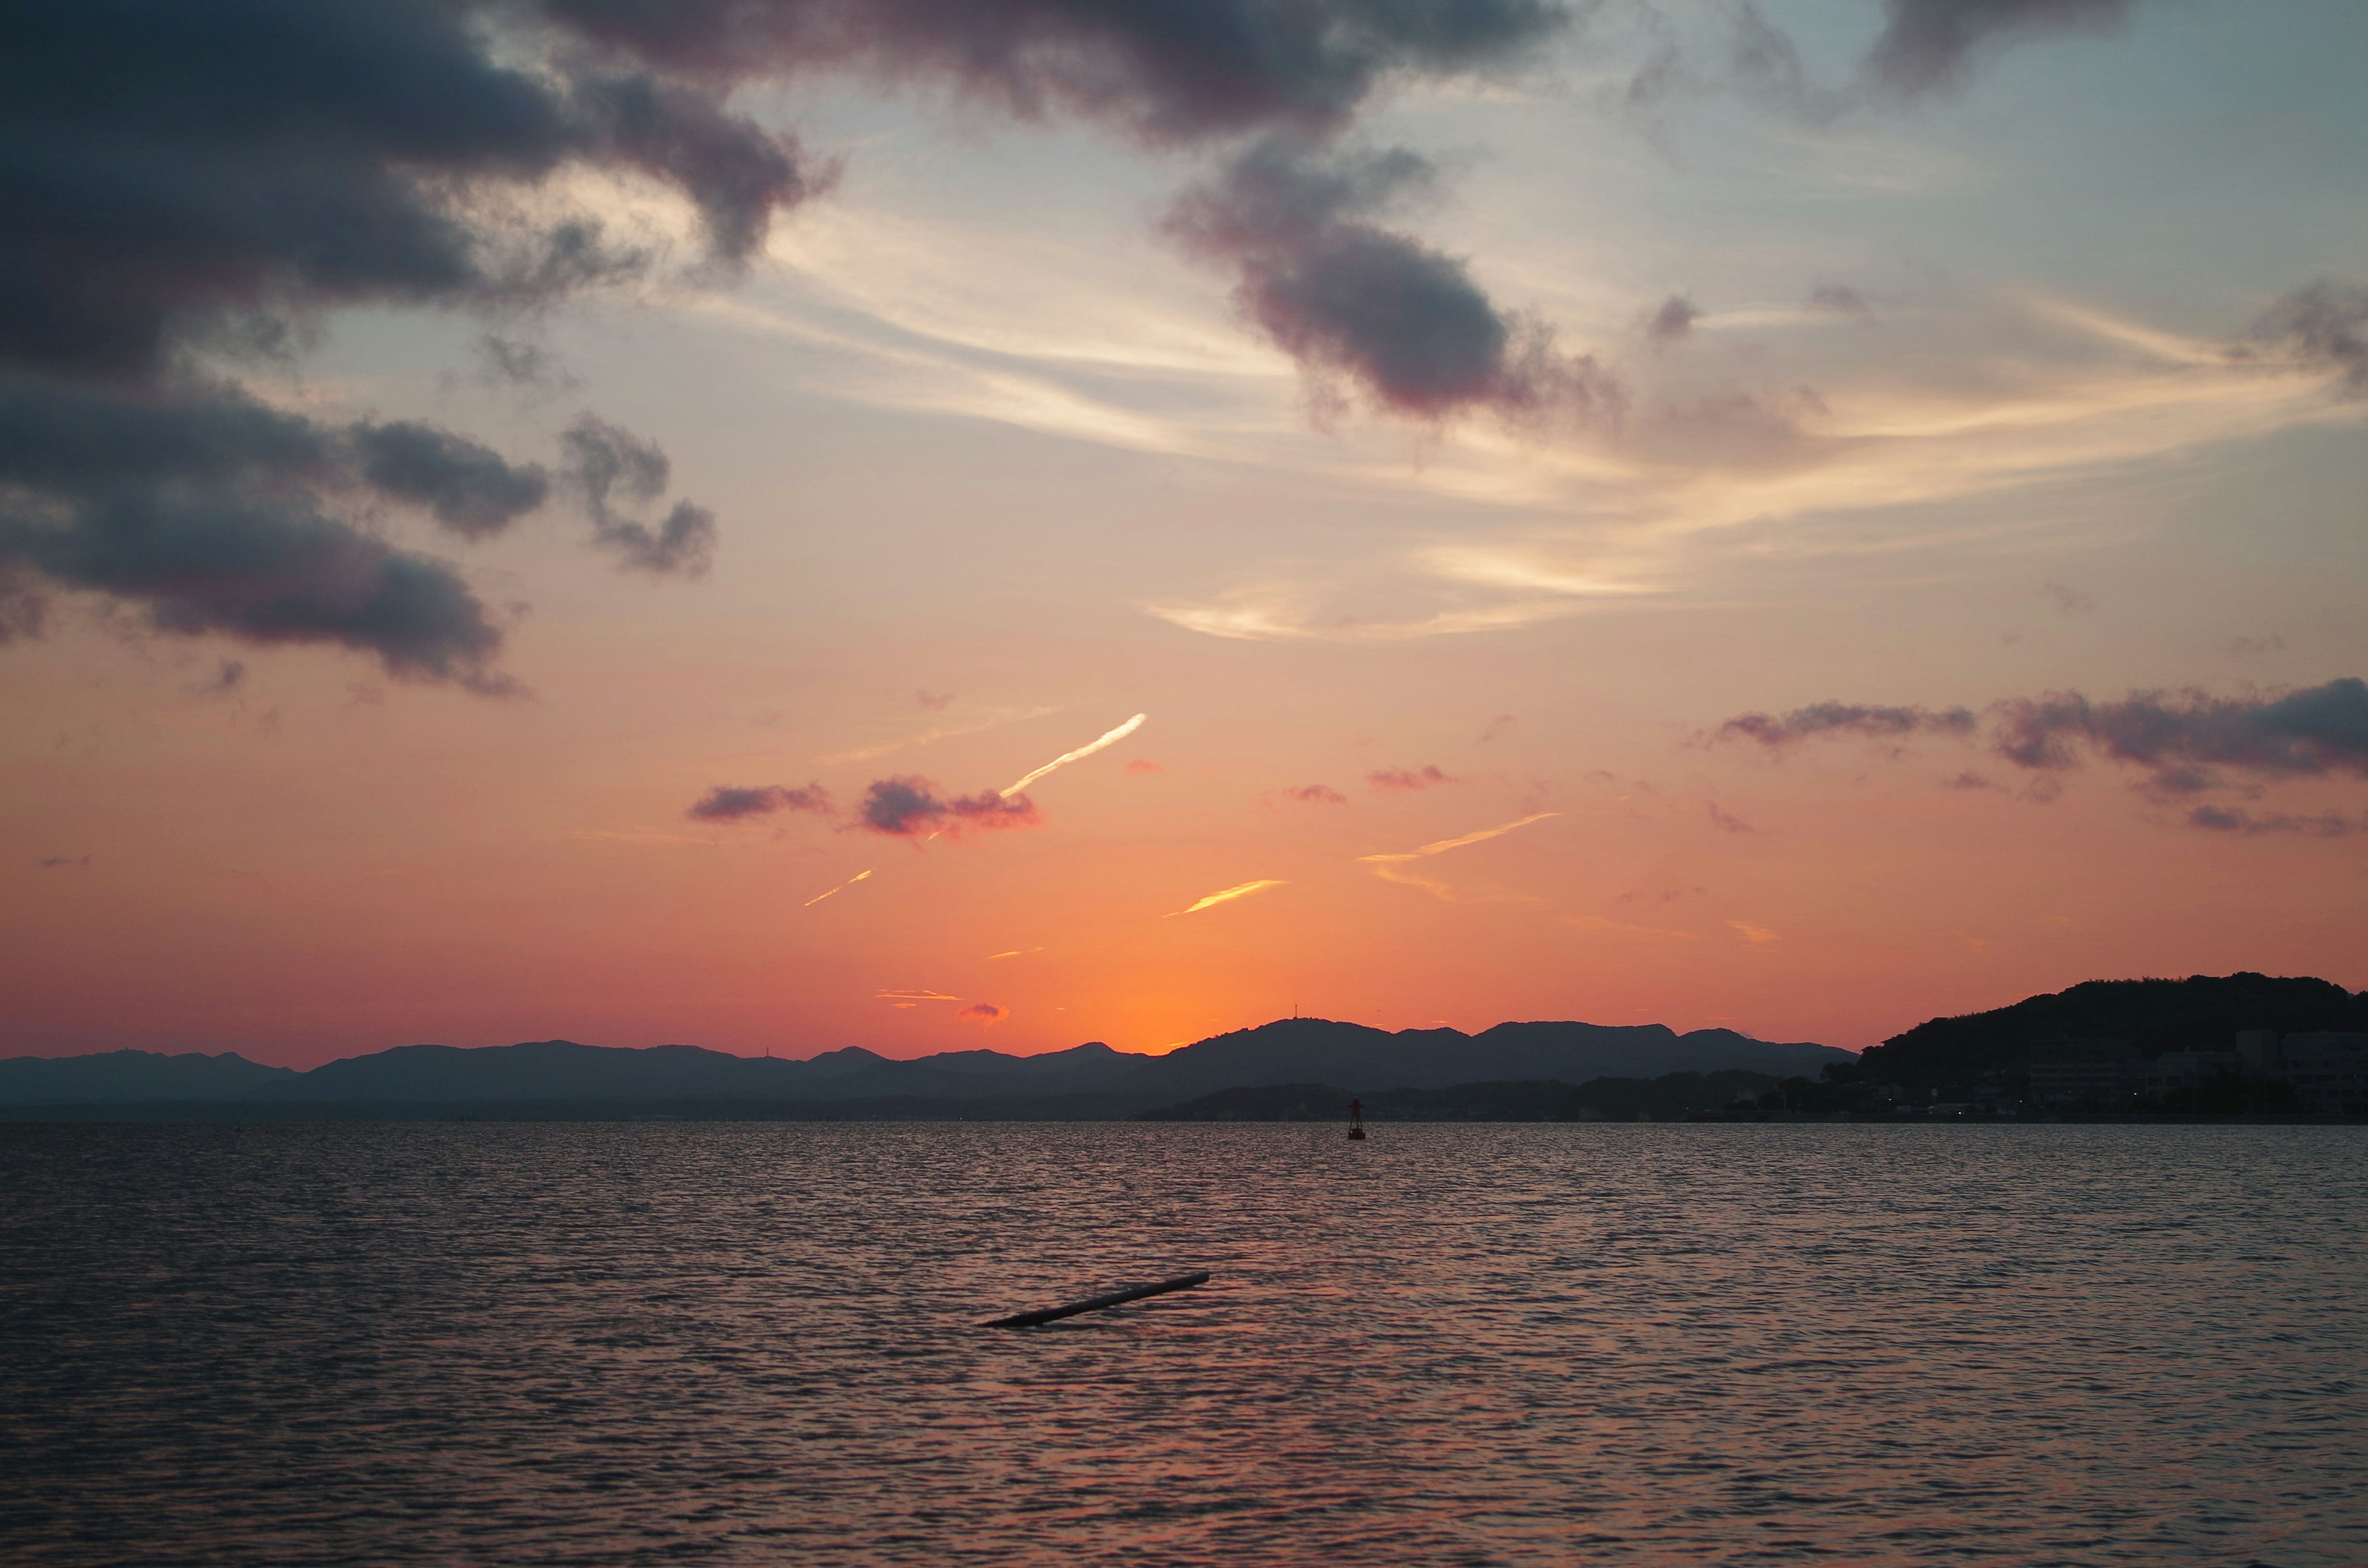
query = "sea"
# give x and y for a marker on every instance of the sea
(1598, 1343)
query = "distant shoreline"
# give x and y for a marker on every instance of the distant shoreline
(219, 1113)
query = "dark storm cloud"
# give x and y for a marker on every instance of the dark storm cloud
(1166, 69)
(215, 513)
(910, 807)
(469, 488)
(1928, 45)
(174, 175)
(606, 464)
(175, 178)
(727, 803)
(2319, 730)
(162, 164)
(2321, 325)
(2224, 819)
(1673, 321)
(1847, 718)
(1351, 301)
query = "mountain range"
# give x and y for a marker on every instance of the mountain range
(1289, 1051)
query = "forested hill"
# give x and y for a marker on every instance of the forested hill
(2202, 1012)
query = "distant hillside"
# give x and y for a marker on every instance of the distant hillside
(1319, 1050)
(2200, 1013)
(545, 1073)
(117, 1076)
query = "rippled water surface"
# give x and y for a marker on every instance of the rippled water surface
(734, 1343)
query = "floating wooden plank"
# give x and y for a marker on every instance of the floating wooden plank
(1095, 1303)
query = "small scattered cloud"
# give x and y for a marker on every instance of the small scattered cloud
(918, 994)
(1139, 768)
(1015, 953)
(1968, 781)
(2069, 599)
(1727, 823)
(2180, 738)
(227, 678)
(909, 806)
(2321, 326)
(607, 464)
(1365, 307)
(1408, 777)
(1874, 722)
(1497, 729)
(516, 361)
(63, 862)
(2247, 647)
(2188, 742)
(1674, 321)
(934, 702)
(1227, 896)
(984, 1014)
(2237, 821)
(1931, 46)
(1757, 935)
(1315, 795)
(1840, 300)
(729, 803)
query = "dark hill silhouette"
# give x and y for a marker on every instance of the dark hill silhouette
(1320, 1051)
(116, 1075)
(1296, 1050)
(2200, 1013)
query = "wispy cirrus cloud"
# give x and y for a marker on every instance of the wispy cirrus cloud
(826, 892)
(1227, 896)
(1392, 867)
(1108, 738)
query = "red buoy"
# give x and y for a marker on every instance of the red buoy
(1357, 1118)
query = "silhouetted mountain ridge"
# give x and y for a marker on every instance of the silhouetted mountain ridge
(2202, 1012)
(1291, 1049)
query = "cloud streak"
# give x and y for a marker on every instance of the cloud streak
(1227, 896)
(1108, 738)
(1392, 867)
(859, 876)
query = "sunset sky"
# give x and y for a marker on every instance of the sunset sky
(577, 519)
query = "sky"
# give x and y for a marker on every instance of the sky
(591, 519)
